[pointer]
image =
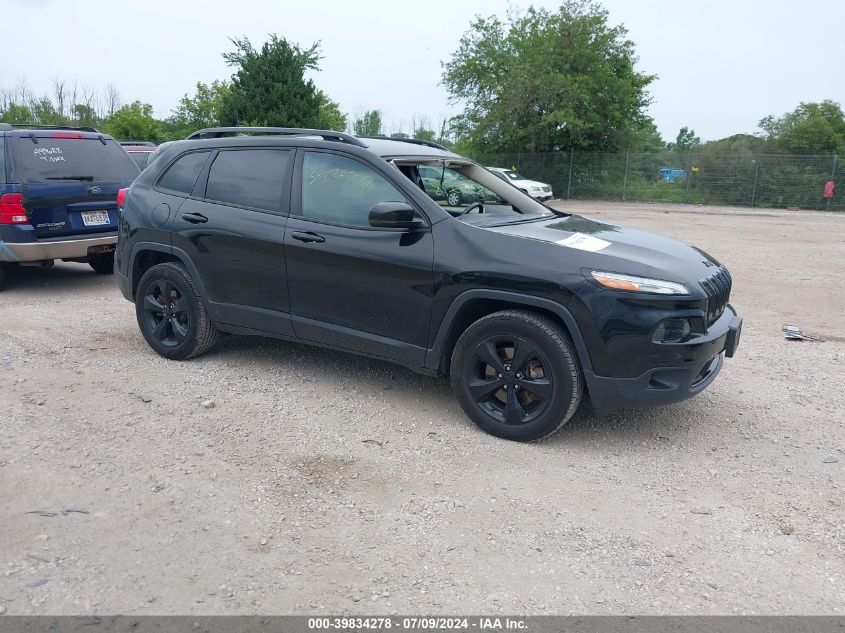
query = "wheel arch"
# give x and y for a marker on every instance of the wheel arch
(471, 305)
(145, 255)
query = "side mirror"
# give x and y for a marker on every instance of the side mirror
(394, 215)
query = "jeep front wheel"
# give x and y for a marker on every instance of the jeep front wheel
(516, 375)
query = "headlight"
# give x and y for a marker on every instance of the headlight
(639, 284)
(535, 189)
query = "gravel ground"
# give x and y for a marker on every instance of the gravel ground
(274, 478)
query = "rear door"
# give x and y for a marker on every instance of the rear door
(69, 180)
(233, 228)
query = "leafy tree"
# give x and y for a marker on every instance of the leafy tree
(45, 113)
(329, 115)
(16, 113)
(425, 134)
(685, 141)
(202, 110)
(368, 124)
(547, 81)
(134, 121)
(810, 128)
(269, 86)
(85, 115)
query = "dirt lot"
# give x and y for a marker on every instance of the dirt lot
(321, 482)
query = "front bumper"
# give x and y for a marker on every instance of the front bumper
(65, 248)
(664, 385)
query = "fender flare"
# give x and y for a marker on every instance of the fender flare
(433, 356)
(170, 250)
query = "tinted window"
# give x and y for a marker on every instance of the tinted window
(341, 190)
(252, 178)
(140, 158)
(2, 159)
(54, 158)
(184, 172)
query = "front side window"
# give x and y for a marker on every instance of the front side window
(251, 178)
(182, 174)
(340, 190)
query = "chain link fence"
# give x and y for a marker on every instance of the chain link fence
(743, 179)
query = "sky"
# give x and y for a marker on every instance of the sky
(721, 65)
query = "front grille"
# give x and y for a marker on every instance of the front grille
(718, 289)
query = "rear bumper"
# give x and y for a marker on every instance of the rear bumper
(665, 385)
(67, 248)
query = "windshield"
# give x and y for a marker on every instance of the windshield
(512, 175)
(457, 185)
(83, 159)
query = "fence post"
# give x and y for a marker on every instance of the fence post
(832, 177)
(625, 179)
(688, 178)
(754, 186)
(569, 182)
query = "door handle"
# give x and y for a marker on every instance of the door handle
(307, 237)
(194, 218)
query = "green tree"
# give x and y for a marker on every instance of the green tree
(368, 124)
(547, 81)
(425, 134)
(269, 86)
(45, 113)
(685, 141)
(810, 128)
(16, 113)
(202, 110)
(329, 115)
(134, 121)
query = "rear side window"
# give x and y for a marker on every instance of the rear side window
(250, 178)
(182, 174)
(60, 158)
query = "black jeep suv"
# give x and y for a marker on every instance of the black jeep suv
(326, 238)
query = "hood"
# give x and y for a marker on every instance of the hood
(616, 248)
(527, 184)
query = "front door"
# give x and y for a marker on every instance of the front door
(352, 285)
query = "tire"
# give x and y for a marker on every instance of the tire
(102, 263)
(541, 384)
(454, 198)
(4, 271)
(180, 329)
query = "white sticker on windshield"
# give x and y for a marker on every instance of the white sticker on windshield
(584, 242)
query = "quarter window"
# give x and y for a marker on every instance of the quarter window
(341, 190)
(184, 173)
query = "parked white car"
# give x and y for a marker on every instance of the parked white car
(538, 190)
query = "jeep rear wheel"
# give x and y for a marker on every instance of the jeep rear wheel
(454, 198)
(103, 263)
(516, 375)
(171, 313)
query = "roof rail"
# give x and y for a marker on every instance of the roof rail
(138, 143)
(37, 126)
(415, 141)
(328, 135)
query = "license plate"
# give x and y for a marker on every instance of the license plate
(95, 218)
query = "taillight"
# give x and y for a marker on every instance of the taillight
(121, 197)
(11, 209)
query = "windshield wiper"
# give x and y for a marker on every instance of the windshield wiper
(82, 178)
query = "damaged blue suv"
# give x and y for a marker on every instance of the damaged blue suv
(334, 240)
